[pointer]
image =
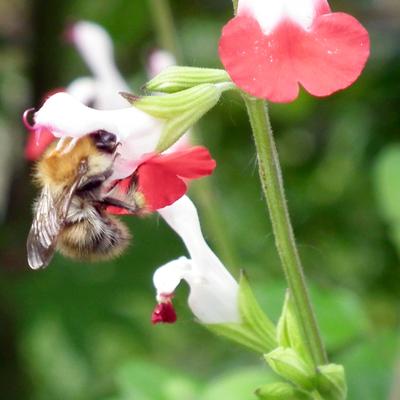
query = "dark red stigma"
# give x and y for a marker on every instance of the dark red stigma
(164, 313)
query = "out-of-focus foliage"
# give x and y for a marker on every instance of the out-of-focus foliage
(77, 331)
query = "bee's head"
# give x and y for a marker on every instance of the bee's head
(105, 141)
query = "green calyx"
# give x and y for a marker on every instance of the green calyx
(174, 79)
(281, 391)
(289, 365)
(256, 331)
(331, 382)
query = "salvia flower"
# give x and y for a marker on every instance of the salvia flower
(160, 177)
(273, 46)
(95, 46)
(213, 296)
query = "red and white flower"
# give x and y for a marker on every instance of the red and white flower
(213, 296)
(160, 177)
(273, 46)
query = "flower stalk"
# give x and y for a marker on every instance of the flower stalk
(272, 185)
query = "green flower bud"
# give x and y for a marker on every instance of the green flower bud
(288, 364)
(181, 110)
(331, 382)
(174, 79)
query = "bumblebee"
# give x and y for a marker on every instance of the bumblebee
(70, 213)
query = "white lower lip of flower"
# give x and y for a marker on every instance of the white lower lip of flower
(213, 291)
(269, 13)
(66, 116)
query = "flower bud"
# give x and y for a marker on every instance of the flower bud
(331, 382)
(180, 110)
(288, 364)
(174, 79)
(281, 391)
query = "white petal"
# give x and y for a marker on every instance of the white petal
(167, 277)
(96, 48)
(65, 116)
(213, 290)
(269, 13)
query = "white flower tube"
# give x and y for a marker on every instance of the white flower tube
(65, 116)
(213, 294)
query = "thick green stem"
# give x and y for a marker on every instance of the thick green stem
(272, 184)
(165, 28)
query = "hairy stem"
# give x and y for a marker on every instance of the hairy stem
(272, 185)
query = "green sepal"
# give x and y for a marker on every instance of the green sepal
(289, 333)
(256, 331)
(331, 382)
(253, 315)
(174, 79)
(171, 105)
(281, 391)
(290, 366)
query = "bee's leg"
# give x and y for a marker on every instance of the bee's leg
(111, 201)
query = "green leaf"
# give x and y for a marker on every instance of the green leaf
(142, 380)
(289, 332)
(175, 78)
(238, 385)
(369, 366)
(289, 365)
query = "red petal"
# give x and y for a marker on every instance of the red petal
(194, 162)
(328, 57)
(164, 313)
(159, 186)
(37, 143)
(159, 176)
(332, 55)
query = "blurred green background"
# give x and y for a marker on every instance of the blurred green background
(77, 331)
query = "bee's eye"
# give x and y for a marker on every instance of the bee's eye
(104, 140)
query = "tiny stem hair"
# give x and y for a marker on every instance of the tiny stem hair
(272, 185)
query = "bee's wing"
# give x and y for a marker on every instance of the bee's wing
(45, 228)
(50, 215)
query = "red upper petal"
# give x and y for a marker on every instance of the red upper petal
(37, 143)
(191, 163)
(160, 176)
(159, 186)
(332, 55)
(328, 57)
